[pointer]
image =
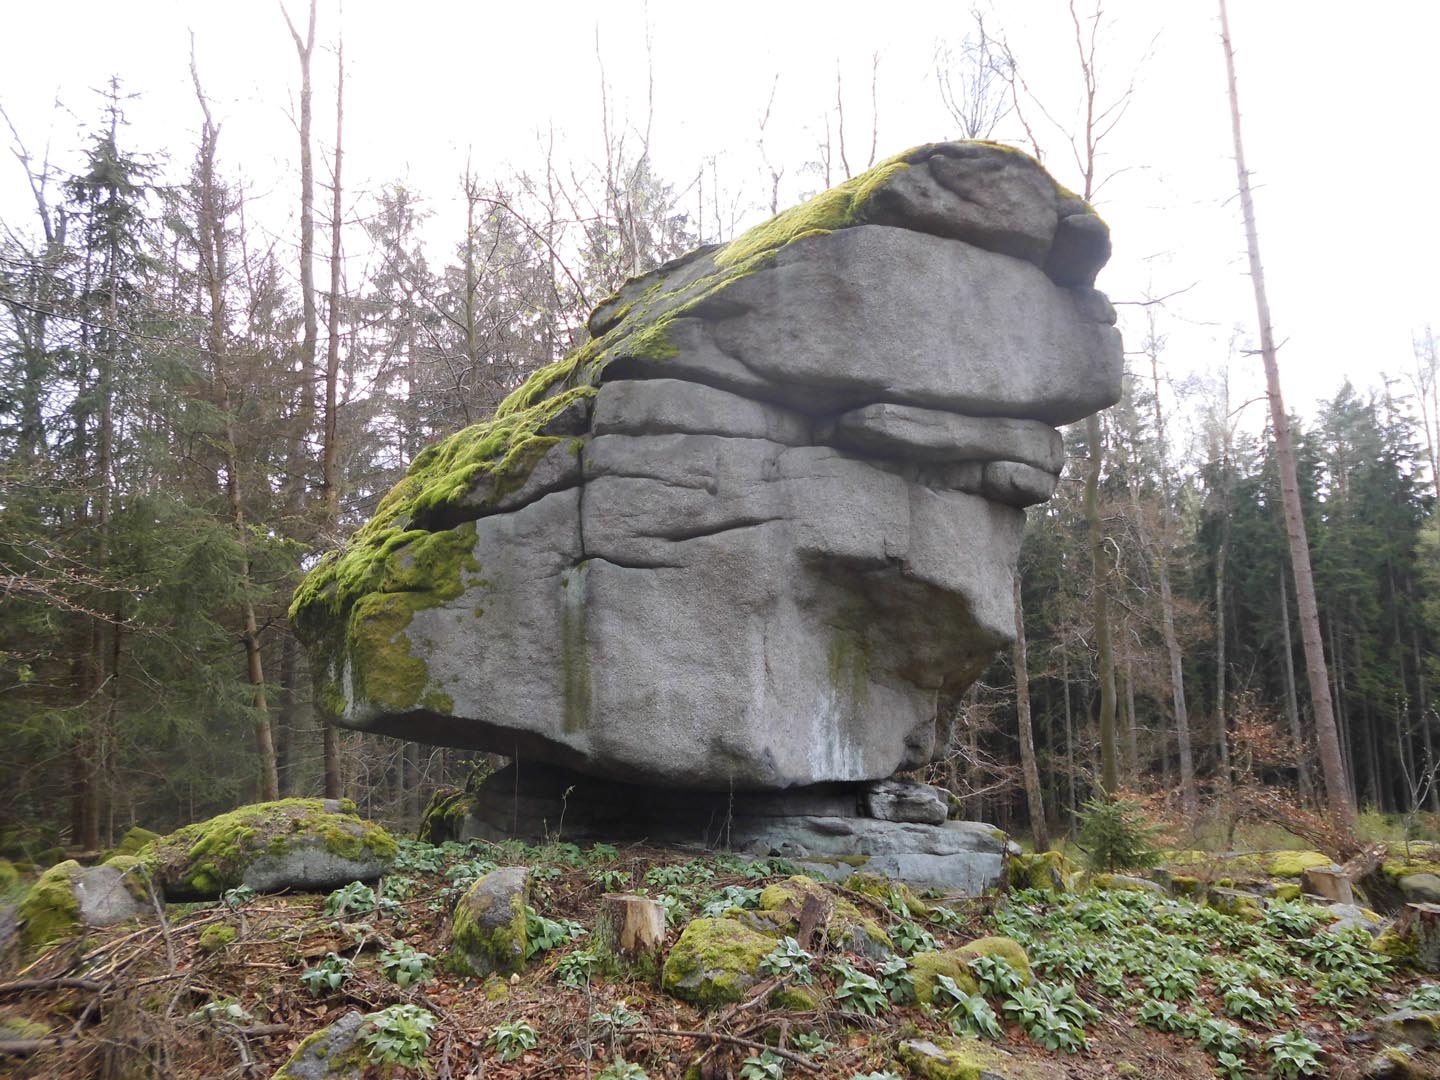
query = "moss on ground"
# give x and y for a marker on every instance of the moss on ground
(715, 962)
(50, 911)
(208, 857)
(216, 937)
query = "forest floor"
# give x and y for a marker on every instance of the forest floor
(1128, 983)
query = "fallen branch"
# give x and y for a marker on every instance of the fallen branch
(715, 1036)
(24, 986)
(26, 1047)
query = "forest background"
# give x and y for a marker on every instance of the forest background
(211, 370)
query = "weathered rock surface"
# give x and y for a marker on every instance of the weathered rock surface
(310, 845)
(331, 1053)
(751, 534)
(69, 897)
(905, 800)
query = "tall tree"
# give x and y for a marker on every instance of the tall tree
(1337, 788)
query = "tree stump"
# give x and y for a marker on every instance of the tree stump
(1330, 882)
(1416, 937)
(629, 936)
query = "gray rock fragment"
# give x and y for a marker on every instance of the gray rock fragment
(904, 800)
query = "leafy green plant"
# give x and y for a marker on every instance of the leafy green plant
(946, 918)
(1424, 998)
(399, 1035)
(611, 878)
(1171, 983)
(542, 934)
(1247, 1003)
(1162, 1016)
(910, 938)
(1290, 918)
(1292, 1054)
(327, 976)
(237, 897)
(788, 958)
(995, 975)
(971, 1014)
(732, 896)
(513, 1039)
(602, 853)
(357, 898)
(1067, 1003)
(468, 871)
(405, 966)
(224, 1011)
(1231, 1066)
(895, 978)
(1116, 835)
(611, 1023)
(766, 1066)
(418, 857)
(620, 1069)
(807, 1042)
(1045, 1025)
(859, 992)
(1219, 1036)
(574, 968)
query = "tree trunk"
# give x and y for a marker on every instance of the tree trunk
(1100, 600)
(1327, 735)
(1034, 802)
(1292, 704)
(630, 935)
(330, 461)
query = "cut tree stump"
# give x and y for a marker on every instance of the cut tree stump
(1418, 933)
(1330, 882)
(629, 936)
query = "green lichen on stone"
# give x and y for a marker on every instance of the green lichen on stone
(1288, 891)
(15, 1026)
(715, 962)
(483, 944)
(216, 937)
(346, 1062)
(134, 839)
(444, 816)
(1047, 871)
(840, 207)
(208, 857)
(134, 875)
(1236, 904)
(50, 911)
(795, 999)
(945, 1059)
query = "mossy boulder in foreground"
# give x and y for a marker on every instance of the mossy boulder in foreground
(715, 961)
(488, 932)
(69, 897)
(926, 967)
(309, 845)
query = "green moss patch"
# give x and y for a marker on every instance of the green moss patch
(489, 932)
(216, 937)
(715, 961)
(1047, 871)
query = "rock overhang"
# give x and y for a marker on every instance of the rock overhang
(824, 429)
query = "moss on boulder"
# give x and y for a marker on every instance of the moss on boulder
(488, 932)
(332, 1053)
(444, 816)
(303, 844)
(715, 961)
(1046, 871)
(893, 894)
(134, 840)
(50, 911)
(926, 967)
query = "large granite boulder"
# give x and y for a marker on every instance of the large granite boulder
(748, 535)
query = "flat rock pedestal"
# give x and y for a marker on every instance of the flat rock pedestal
(830, 830)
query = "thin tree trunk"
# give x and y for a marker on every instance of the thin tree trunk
(330, 463)
(1035, 803)
(211, 235)
(1327, 734)
(1069, 740)
(1292, 704)
(1132, 733)
(1100, 601)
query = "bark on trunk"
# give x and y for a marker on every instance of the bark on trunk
(1035, 803)
(1327, 735)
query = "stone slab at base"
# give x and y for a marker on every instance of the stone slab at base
(824, 828)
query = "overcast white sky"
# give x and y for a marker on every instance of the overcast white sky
(1339, 107)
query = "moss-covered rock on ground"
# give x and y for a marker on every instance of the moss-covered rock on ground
(947, 1058)
(217, 937)
(50, 911)
(134, 840)
(489, 929)
(303, 844)
(893, 894)
(715, 961)
(1047, 871)
(927, 966)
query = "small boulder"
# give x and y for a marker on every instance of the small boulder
(1348, 916)
(69, 897)
(1409, 1027)
(308, 845)
(948, 1058)
(1420, 888)
(926, 967)
(488, 930)
(1236, 903)
(331, 1053)
(1126, 883)
(715, 962)
(904, 800)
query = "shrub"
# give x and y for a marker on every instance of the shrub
(1116, 835)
